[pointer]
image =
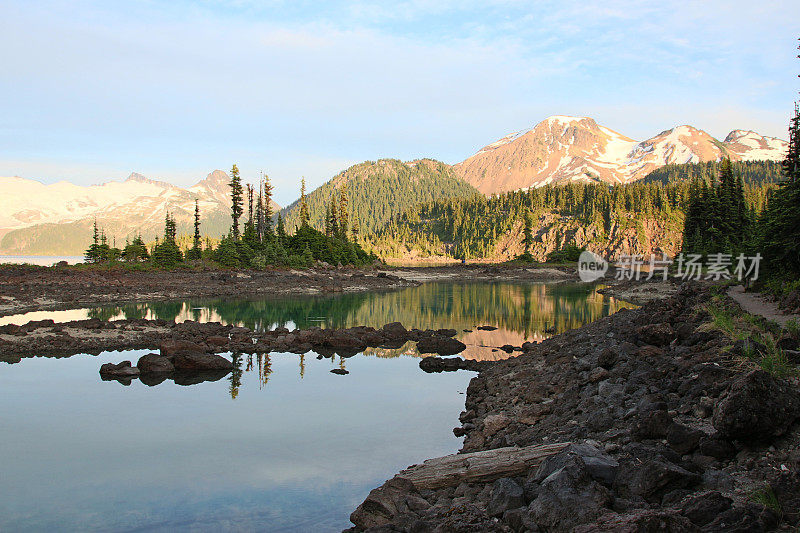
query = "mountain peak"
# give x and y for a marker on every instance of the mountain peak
(140, 178)
(217, 180)
(564, 148)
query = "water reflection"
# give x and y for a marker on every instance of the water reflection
(289, 454)
(520, 311)
(533, 311)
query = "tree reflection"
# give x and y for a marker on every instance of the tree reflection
(521, 311)
(236, 376)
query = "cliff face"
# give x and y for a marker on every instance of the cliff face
(622, 238)
(552, 231)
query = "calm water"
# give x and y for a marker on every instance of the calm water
(42, 260)
(281, 444)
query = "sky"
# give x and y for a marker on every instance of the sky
(91, 91)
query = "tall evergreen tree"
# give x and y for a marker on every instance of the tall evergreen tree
(782, 218)
(236, 200)
(304, 214)
(267, 206)
(527, 232)
(343, 222)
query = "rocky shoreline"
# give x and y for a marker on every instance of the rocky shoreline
(46, 338)
(26, 288)
(647, 420)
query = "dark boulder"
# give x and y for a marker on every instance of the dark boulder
(340, 371)
(704, 507)
(199, 362)
(607, 358)
(172, 348)
(656, 334)
(123, 369)
(450, 364)
(683, 439)
(154, 363)
(394, 331)
(486, 328)
(569, 497)
(395, 497)
(745, 518)
(345, 341)
(441, 345)
(717, 447)
(506, 495)
(651, 479)
(640, 521)
(652, 425)
(756, 407)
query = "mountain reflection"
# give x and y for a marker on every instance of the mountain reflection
(520, 313)
(530, 311)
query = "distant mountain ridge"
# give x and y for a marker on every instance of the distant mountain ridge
(563, 149)
(56, 219)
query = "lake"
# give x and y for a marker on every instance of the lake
(41, 260)
(280, 444)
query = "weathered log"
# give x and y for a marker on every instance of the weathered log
(484, 466)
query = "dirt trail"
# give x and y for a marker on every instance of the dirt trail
(756, 304)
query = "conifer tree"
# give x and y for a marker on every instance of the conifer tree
(527, 238)
(343, 212)
(196, 251)
(236, 200)
(267, 206)
(304, 215)
(782, 218)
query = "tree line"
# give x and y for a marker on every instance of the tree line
(252, 241)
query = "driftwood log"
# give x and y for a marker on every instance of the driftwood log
(400, 495)
(484, 466)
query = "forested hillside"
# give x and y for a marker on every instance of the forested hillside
(752, 172)
(378, 190)
(638, 218)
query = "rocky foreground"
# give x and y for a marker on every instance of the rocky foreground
(647, 420)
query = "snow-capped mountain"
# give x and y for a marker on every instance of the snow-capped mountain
(563, 148)
(57, 218)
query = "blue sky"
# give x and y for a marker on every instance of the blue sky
(91, 91)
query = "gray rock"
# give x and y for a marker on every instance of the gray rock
(652, 425)
(651, 478)
(683, 439)
(705, 507)
(506, 495)
(569, 497)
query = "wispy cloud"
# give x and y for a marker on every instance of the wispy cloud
(295, 87)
